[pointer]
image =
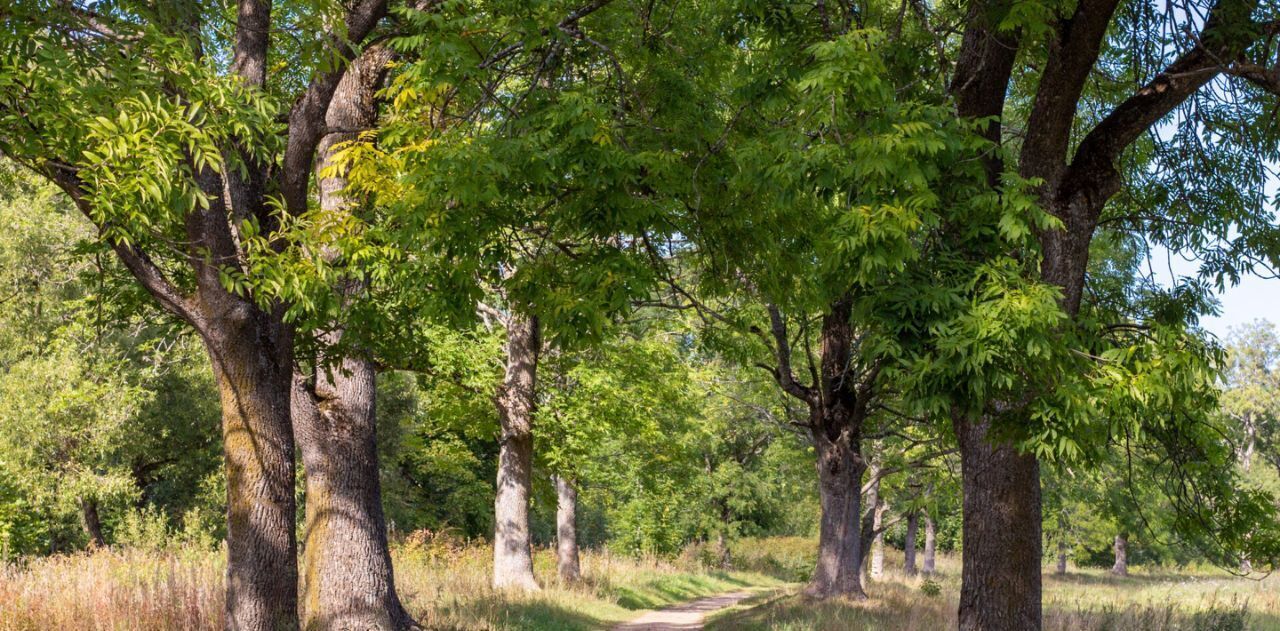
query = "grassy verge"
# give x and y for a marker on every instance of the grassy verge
(1084, 600)
(444, 584)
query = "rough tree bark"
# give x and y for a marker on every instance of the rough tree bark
(1120, 547)
(1001, 543)
(251, 354)
(567, 557)
(909, 544)
(347, 580)
(837, 406)
(839, 543)
(512, 554)
(1001, 583)
(930, 546)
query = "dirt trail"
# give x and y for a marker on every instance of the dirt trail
(684, 617)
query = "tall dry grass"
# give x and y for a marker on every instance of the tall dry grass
(1203, 599)
(444, 583)
(114, 590)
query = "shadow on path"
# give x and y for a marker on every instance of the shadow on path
(684, 617)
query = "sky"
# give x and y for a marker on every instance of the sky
(1254, 298)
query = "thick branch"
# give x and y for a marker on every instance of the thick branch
(149, 275)
(253, 38)
(307, 118)
(1072, 56)
(1219, 44)
(982, 75)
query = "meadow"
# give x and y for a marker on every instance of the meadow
(445, 582)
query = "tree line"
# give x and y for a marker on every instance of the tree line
(924, 225)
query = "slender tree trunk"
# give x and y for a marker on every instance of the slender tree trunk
(909, 544)
(722, 538)
(1121, 566)
(930, 545)
(347, 581)
(871, 499)
(253, 377)
(1000, 578)
(877, 545)
(1062, 556)
(839, 542)
(91, 523)
(567, 561)
(512, 553)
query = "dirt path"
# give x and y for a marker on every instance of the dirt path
(684, 617)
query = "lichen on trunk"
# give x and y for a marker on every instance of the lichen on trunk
(262, 564)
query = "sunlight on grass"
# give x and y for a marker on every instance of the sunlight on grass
(443, 583)
(1202, 599)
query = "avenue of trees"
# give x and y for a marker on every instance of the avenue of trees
(296, 274)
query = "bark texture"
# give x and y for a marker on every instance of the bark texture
(930, 546)
(838, 405)
(1061, 569)
(512, 554)
(909, 544)
(262, 553)
(1001, 547)
(567, 558)
(347, 580)
(839, 542)
(1121, 550)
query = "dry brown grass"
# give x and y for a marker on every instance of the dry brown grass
(444, 584)
(1084, 600)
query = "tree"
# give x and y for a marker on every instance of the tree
(1076, 164)
(87, 431)
(1252, 392)
(124, 108)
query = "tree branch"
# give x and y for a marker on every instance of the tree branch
(307, 118)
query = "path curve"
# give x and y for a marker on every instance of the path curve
(684, 617)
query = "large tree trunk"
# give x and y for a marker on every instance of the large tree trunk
(839, 542)
(1000, 577)
(253, 374)
(347, 580)
(1121, 566)
(909, 544)
(567, 558)
(512, 553)
(92, 523)
(930, 546)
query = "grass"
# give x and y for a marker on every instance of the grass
(1084, 600)
(444, 583)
